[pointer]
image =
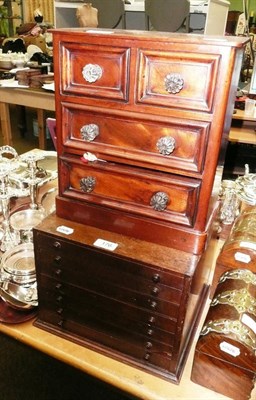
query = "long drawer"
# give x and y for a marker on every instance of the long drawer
(95, 309)
(86, 297)
(156, 195)
(94, 273)
(151, 354)
(168, 144)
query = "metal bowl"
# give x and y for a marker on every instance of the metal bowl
(18, 264)
(26, 219)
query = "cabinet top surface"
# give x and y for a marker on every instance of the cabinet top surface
(230, 41)
(128, 247)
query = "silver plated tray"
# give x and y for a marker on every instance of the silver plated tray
(19, 296)
(11, 315)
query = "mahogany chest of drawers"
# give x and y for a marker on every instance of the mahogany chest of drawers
(140, 121)
(132, 301)
(151, 111)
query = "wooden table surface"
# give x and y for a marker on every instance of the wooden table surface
(39, 99)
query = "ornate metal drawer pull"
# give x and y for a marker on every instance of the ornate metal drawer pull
(89, 132)
(88, 184)
(174, 83)
(166, 145)
(159, 201)
(92, 72)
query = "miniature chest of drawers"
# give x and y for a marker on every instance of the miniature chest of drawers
(149, 111)
(127, 298)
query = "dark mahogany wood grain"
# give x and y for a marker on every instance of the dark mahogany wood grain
(131, 302)
(133, 108)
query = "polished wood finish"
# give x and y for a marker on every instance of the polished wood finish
(151, 108)
(153, 88)
(225, 352)
(130, 303)
(220, 376)
(239, 249)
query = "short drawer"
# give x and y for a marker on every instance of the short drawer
(177, 79)
(160, 196)
(95, 70)
(173, 145)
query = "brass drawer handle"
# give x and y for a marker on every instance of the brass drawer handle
(159, 201)
(174, 83)
(166, 145)
(87, 184)
(92, 72)
(89, 132)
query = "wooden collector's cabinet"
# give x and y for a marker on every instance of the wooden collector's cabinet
(142, 123)
(130, 302)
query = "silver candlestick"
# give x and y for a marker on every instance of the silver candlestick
(7, 164)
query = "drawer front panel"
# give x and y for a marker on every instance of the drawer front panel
(51, 297)
(56, 253)
(144, 351)
(160, 196)
(176, 145)
(111, 284)
(112, 274)
(92, 308)
(95, 71)
(177, 80)
(87, 294)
